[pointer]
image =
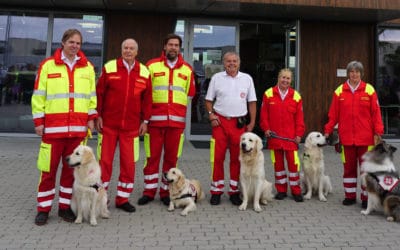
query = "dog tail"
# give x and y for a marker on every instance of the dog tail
(200, 192)
(391, 207)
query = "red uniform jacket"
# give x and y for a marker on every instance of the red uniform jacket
(124, 100)
(285, 118)
(358, 115)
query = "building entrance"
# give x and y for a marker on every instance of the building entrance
(264, 49)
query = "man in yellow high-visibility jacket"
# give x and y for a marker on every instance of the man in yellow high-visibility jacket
(172, 83)
(63, 107)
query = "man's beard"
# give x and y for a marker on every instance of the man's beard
(172, 56)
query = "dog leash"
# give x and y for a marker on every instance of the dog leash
(274, 135)
(88, 136)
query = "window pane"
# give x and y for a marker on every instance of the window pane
(23, 39)
(91, 28)
(388, 79)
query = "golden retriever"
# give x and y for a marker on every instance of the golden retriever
(253, 184)
(381, 180)
(314, 179)
(183, 192)
(89, 198)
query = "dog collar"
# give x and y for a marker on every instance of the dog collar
(96, 186)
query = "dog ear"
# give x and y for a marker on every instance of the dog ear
(181, 181)
(259, 144)
(87, 156)
(307, 142)
(393, 148)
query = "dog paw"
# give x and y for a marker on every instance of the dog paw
(105, 215)
(78, 221)
(322, 198)
(364, 212)
(243, 207)
(93, 222)
(307, 196)
(184, 213)
(264, 202)
(390, 218)
(170, 209)
(257, 209)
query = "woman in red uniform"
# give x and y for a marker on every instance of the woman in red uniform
(282, 114)
(355, 108)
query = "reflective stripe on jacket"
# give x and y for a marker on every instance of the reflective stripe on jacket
(123, 98)
(171, 89)
(284, 117)
(358, 115)
(64, 100)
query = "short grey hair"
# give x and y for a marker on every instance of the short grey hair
(135, 44)
(355, 65)
(230, 53)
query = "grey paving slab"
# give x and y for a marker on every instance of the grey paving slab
(281, 225)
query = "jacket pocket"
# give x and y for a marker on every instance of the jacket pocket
(44, 158)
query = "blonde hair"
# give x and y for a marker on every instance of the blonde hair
(283, 71)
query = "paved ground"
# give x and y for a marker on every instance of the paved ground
(283, 224)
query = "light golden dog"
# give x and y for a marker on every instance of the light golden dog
(314, 179)
(89, 198)
(183, 192)
(252, 173)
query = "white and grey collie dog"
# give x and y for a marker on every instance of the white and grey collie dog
(381, 180)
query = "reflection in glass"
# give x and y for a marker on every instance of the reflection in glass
(91, 28)
(210, 43)
(388, 79)
(23, 45)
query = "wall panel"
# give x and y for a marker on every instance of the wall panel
(148, 30)
(367, 4)
(326, 47)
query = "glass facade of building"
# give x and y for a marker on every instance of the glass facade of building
(25, 40)
(388, 78)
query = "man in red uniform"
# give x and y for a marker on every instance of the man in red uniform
(63, 107)
(355, 108)
(124, 106)
(230, 97)
(172, 83)
(282, 114)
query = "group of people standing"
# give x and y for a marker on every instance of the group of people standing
(131, 100)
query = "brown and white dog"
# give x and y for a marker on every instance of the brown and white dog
(382, 181)
(183, 192)
(89, 198)
(254, 186)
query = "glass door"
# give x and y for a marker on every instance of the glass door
(207, 44)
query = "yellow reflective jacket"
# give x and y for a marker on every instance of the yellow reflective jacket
(64, 100)
(171, 88)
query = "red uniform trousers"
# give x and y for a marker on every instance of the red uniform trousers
(158, 138)
(351, 157)
(277, 156)
(126, 139)
(225, 136)
(60, 149)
